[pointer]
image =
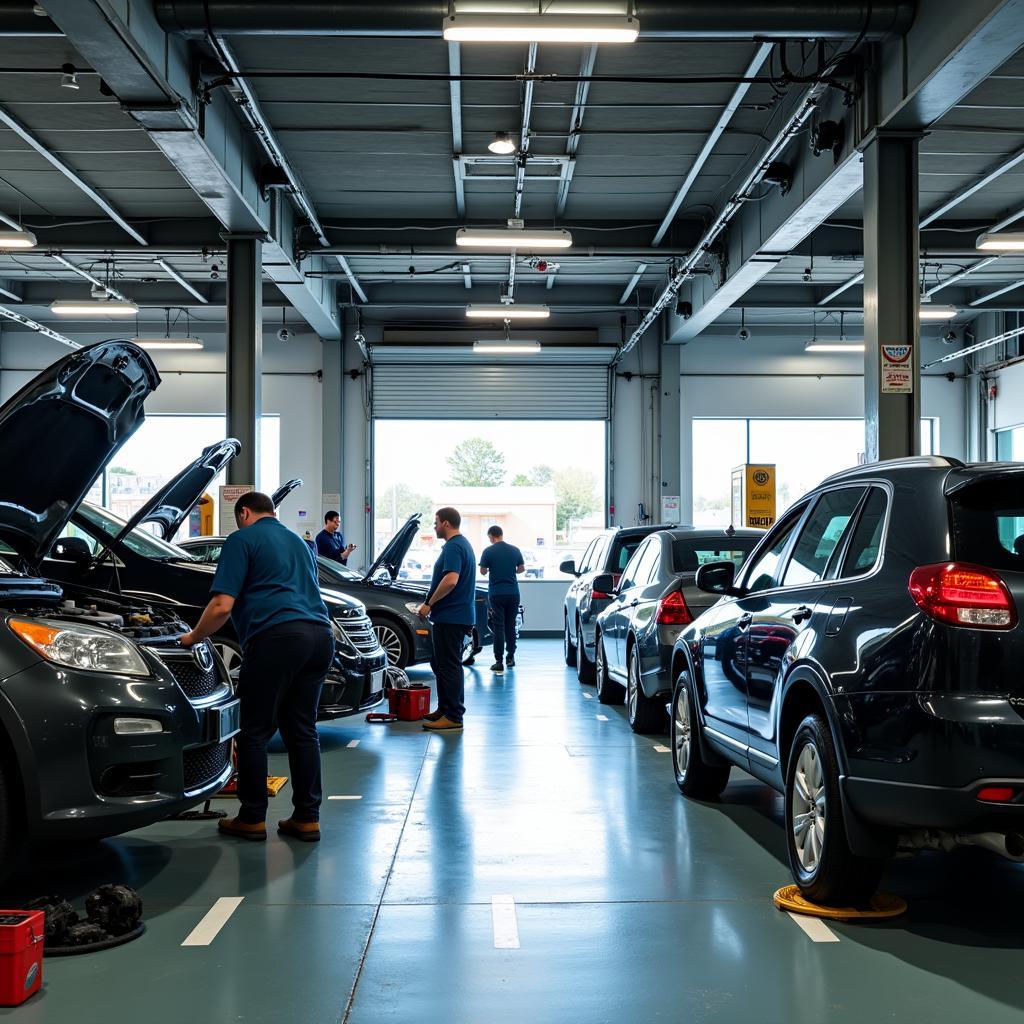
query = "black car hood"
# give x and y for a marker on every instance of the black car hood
(59, 431)
(394, 552)
(284, 490)
(171, 505)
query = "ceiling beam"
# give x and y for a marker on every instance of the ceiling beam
(587, 62)
(455, 96)
(34, 325)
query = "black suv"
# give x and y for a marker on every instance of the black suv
(867, 662)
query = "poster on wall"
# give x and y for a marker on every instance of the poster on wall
(670, 509)
(753, 496)
(229, 494)
(897, 369)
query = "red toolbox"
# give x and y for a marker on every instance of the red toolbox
(410, 703)
(21, 955)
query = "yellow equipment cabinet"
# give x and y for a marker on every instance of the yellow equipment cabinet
(753, 496)
(200, 520)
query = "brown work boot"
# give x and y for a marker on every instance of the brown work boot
(442, 724)
(434, 716)
(306, 831)
(254, 832)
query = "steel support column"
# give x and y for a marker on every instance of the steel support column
(244, 354)
(892, 420)
(670, 410)
(333, 450)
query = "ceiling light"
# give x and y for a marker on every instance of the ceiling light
(96, 307)
(938, 312)
(512, 238)
(834, 346)
(17, 240)
(502, 144)
(499, 346)
(509, 311)
(539, 28)
(1001, 241)
(168, 344)
(68, 80)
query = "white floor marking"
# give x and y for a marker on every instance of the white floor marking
(659, 749)
(602, 718)
(588, 696)
(815, 929)
(503, 919)
(344, 798)
(216, 917)
(353, 743)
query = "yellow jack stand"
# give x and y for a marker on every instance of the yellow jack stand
(883, 905)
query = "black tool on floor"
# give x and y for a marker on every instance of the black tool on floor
(113, 917)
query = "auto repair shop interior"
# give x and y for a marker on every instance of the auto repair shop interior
(714, 309)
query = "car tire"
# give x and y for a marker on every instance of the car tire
(608, 691)
(584, 666)
(392, 638)
(230, 652)
(12, 846)
(823, 866)
(694, 776)
(470, 648)
(568, 649)
(646, 714)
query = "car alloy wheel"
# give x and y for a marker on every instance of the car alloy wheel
(632, 687)
(681, 737)
(808, 808)
(230, 654)
(389, 639)
(469, 648)
(599, 662)
(568, 650)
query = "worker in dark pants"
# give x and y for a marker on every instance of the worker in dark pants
(451, 606)
(266, 582)
(502, 563)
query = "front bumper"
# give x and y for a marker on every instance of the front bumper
(353, 685)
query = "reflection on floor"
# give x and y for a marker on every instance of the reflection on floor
(630, 903)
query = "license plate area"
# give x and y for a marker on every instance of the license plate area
(376, 681)
(223, 722)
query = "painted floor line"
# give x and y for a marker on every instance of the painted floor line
(814, 929)
(215, 918)
(503, 920)
(602, 718)
(344, 798)
(353, 743)
(588, 696)
(662, 750)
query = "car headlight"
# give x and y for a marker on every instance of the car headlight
(80, 646)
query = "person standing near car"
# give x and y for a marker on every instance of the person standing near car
(451, 606)
(502, 563)
(266, 582)
(330, 541)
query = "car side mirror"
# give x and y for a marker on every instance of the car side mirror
(717, 578)
(604, 584)
(568, 567)
(71, 549)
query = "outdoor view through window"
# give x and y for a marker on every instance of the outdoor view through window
(543, 483)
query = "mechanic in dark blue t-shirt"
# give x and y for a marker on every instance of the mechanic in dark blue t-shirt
(266, 582)
(502, 563)
(451, 605)
(330, 541)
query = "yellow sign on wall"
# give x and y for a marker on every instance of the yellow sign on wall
(753, 496)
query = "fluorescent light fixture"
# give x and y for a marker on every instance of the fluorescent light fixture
(508, 311)
(1001, 241)
(502, 144)
(511, 238)
(168, 344)
(95, 307)
(499, 346)
(540, 28)
(834, 346)
(938, 312)
(17, 240)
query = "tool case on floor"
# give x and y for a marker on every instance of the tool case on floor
(21, 955)
(410, 703)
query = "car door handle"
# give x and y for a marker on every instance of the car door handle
(802, 614)
(634, 602)
(745, 620)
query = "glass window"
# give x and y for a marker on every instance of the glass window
(589, 560)
(689, 555)
(762, 573)
(631, 570)
(862, 554)
(718, 446)
(821, 535)
(988, 525)
(108, 525)
(600, 555)
(623, 549)
(647, 567)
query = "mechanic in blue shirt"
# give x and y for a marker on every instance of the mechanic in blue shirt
(501, 563)
(451, 605)
(330, 541)
(266, 582)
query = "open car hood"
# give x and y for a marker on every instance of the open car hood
(395, 550)
(59, 431)
(284, 490)
(171, 505)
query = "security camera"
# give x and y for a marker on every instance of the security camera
(284, 334)
(951, 338)
(743, 334)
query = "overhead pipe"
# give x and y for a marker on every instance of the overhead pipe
(668, 19)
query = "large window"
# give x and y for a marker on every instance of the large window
(542, 482)
(804, 452)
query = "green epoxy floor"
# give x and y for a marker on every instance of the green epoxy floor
(631, 903)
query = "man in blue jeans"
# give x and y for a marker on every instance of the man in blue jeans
(266, 581)
(451, 605)
(502, 563)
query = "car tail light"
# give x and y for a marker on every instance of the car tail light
(600, 595)
(672, 611)
(996, 794)
(963, 595)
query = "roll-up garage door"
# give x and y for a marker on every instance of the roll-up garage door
(472, 391)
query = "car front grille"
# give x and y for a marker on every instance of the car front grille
(197, 685)
(362, 636)
(202, 765)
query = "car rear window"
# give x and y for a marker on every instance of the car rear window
(988, 524)
(622, 551)
(689, 554)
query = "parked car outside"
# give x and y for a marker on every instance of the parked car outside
(98, 548)
(867, 663)
(106, 723)
(607, 553)
(653, 600)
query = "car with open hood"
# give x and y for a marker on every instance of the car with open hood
(98, 548)
(106, 722)
(390, 599)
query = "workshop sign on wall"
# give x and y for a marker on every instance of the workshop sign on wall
(753, 496)
(897, 369)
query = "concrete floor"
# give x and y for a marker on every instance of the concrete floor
(630, 902)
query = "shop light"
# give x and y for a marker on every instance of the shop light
(1001, 241)
(94, 307)
(501, 347)
(168, 344)
(502, 144)
(508, 311)
(834, 346)
(17, 240)
(938, 312)
(540, 28)
(511, 238)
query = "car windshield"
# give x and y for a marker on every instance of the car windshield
(342, 573)
(142, 543)
(988, 524)
(689, 553)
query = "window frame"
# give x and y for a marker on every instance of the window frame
(625, 582)
(841, 557)
(840, 543)
(796, 515)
